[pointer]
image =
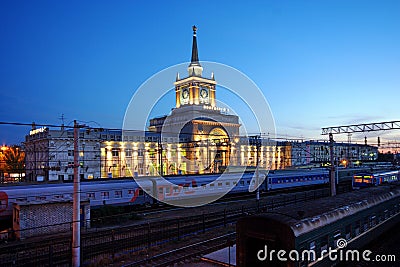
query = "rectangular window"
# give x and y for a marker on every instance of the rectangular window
(324, 243)
(348, 232)
(91, 195)
(115, 152)
(128, 152)
(312, 248)
(372, 221)
(365, 228)
(118, 194)
(70, 153)
(357, 228)
(336, 237)
(105, 195)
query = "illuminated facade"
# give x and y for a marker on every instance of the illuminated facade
(139, 155)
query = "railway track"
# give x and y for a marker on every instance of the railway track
(187, 252)
(138, 238)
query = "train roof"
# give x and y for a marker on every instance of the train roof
(304, 217)
(58, 185)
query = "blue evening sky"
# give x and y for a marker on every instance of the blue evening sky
(319, 63)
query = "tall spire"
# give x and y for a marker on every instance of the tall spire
(195, 68)
(195, 53)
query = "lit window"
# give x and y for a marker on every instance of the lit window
(105, 195)
(118, 194)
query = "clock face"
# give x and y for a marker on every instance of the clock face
(203, 93)
(185, 93)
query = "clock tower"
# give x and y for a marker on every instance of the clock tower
(208, 131)
(195, 89)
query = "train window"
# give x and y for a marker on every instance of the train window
(357, 228)
(372, 221)
(348, 232)
(253, 182)
(241, 182)
(131, 191)
(248, 182)
(40, 198)
(212, 185)
(228, 183)
(105, 195)
(324, 244)
(365, 228)
(312, 248)
(219, 184)
(91, 195)
(176, 189)
(386, 214)
(167, 190)
(141, 193)
(118, 194)
(160, 190)
(20, 199)
(336, 237)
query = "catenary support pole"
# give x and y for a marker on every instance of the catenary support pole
(332, 171)
(76, 223)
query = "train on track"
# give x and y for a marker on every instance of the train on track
(367, 179)
(141, 190)
(323, 232)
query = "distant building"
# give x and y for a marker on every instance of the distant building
(50, 154)
(317, 152)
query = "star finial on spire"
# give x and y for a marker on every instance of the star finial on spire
(194, 29)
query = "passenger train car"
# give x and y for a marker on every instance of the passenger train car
(129, 192)
(366, 179)
(319, 233)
